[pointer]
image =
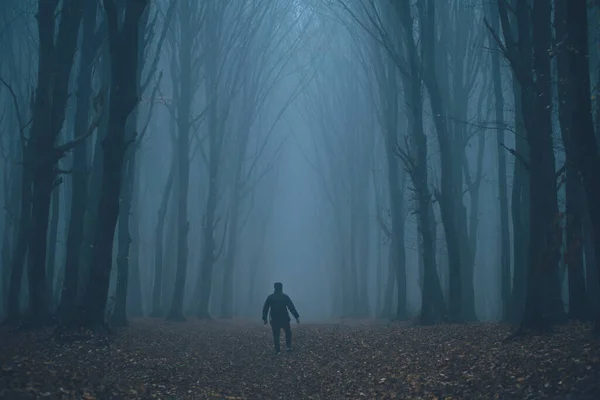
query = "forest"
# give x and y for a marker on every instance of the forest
(423, 176)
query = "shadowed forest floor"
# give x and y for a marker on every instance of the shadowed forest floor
(227, 360)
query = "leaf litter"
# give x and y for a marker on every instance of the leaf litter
(154, 359)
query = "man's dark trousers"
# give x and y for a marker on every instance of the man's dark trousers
(277, 326)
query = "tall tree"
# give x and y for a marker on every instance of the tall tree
(458, 50)
(91, 39)
(124, 42)
(19, 74)
(159, 237)
(505, 262)
(530, 62)
(128, 299)
(223, 77)
(585, 143)
(57, 48)
(433, 308)
(574, 191)
(190, 18)
(389, 90)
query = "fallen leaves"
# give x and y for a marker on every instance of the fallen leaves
(227, 360)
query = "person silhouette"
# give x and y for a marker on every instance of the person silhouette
(279, 303)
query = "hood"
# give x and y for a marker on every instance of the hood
(278, 287)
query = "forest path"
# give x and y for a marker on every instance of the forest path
(228, 360)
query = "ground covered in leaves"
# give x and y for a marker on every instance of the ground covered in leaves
(235, 360)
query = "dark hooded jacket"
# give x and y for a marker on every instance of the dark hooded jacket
(279, 303)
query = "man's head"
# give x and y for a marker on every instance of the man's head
(278, 287)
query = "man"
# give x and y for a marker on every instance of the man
(279, 303)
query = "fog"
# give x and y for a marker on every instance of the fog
(233, 144)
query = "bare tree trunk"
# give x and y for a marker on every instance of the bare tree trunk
(119, 316)
(421, 266)
(458, 72)
(11, 197)
(380, 273)
(520, 204)
(159, 239)
(450, 196)
(502, 189)
(233, 229)
(471, 248)
(400, 264)
(396, 183)
(257, 256)
(170, 258)
(134, 290)
(94, 185)
(68, 298)
(592, 275)
(530, 60)
(433, 307)
(352, 272)
(363, 260)
(230, 259)
(184, 104)
(36, 266)
(124, 45)
(390, 279)
(543, 303)
(597, 94)
(215, 125)
(574, 190)
(20, 249)
(5, 255)
(592, 287)
(587, 154)
(52, 243)
(135, 306)
(57, 50)
(209, 256)
(578, 307)
(396, 262)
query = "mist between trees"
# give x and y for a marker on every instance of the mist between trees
(426, 160)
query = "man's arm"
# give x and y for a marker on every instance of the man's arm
(290, 306)
(266, 307)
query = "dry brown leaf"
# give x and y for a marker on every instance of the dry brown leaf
(225, 360)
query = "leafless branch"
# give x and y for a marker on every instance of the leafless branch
(300, 87)
(498, 41)
(151, 108)
(22, 126)
(518, 156)
(382, 223)
(222, 245)
(161, 39)
(60, 150)
(381, 35)
(249, 208)
(251, 186)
